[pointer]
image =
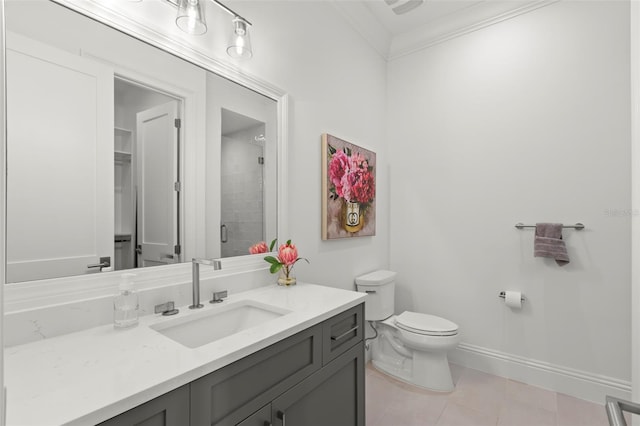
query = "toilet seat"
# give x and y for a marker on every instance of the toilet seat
(425, 324)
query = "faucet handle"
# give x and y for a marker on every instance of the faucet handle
(166, 308)
(218, 296)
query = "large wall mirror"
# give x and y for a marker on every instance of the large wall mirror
(121, 155)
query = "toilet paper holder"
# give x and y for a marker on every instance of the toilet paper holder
(503, 295)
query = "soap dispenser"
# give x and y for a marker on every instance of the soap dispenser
(125, 304)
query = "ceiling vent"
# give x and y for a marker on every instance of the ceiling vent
(400, 8)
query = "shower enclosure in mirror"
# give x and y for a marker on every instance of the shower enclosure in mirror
(121, 155)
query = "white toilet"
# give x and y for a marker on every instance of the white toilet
(411, 346)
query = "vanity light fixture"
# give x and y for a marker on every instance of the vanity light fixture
(191, 20)
(240, 42)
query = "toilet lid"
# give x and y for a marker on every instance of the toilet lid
(426, 324)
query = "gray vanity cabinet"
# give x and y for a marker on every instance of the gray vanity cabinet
(228, 396)
(330, 396)
(313, 378)
(170, 409)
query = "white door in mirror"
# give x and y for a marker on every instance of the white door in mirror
(157, 146)
(60, 184)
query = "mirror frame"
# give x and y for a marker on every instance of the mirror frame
(36, 294)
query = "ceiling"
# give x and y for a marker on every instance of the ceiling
(432, 21)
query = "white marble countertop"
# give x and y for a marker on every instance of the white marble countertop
(90, 376)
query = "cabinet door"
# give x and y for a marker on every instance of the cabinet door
(262, 417)
(227, 396)
(332, 396)
(170, 409)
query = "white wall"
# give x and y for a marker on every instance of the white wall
(524, 121)
(336, 84)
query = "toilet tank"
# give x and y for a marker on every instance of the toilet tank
(380, 289)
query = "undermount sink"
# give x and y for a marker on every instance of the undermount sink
(217, 322)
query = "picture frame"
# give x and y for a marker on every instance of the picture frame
(348, 189)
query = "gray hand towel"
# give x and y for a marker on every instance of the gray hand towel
(548, 243)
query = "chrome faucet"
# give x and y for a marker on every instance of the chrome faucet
(217, 265)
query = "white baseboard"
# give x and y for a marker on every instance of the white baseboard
(576, 383)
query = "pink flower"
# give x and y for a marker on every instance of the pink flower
(357, 161)
(287, 257)
(260, 247)
(337, 168)
(287, 254)
(364, 190)
(351, 177)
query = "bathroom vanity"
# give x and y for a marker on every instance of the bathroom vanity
(305, 366)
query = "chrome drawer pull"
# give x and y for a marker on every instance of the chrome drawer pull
(343, 335)
(280, 416)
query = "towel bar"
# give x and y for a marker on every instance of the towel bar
(616, 406)
(578, 226)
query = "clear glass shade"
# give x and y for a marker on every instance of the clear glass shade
(190, 17)
(240, 42)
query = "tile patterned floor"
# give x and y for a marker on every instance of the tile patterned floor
(479, 399)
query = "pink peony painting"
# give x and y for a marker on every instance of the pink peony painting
(348, 189)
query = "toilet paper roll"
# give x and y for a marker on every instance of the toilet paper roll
(513, 299)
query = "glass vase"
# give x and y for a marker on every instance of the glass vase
(286, 277)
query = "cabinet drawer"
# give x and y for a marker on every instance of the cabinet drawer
(229, 395)
(341, 332)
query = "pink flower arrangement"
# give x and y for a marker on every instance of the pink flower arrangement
(258, 248)
(287, 257)
(351, 176)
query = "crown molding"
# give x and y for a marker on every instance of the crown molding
(464, 22)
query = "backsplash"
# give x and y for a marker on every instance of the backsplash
(43, 322)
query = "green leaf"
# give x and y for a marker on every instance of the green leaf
(288, 242)
(273, 243)
(272, 260)
(275, 267)
(347, 151)
(331, 149)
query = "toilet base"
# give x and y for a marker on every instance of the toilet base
(394, 368)
(434, 377)
(419, 360)
(431, 371)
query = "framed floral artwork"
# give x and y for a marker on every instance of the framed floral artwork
(348, 189)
